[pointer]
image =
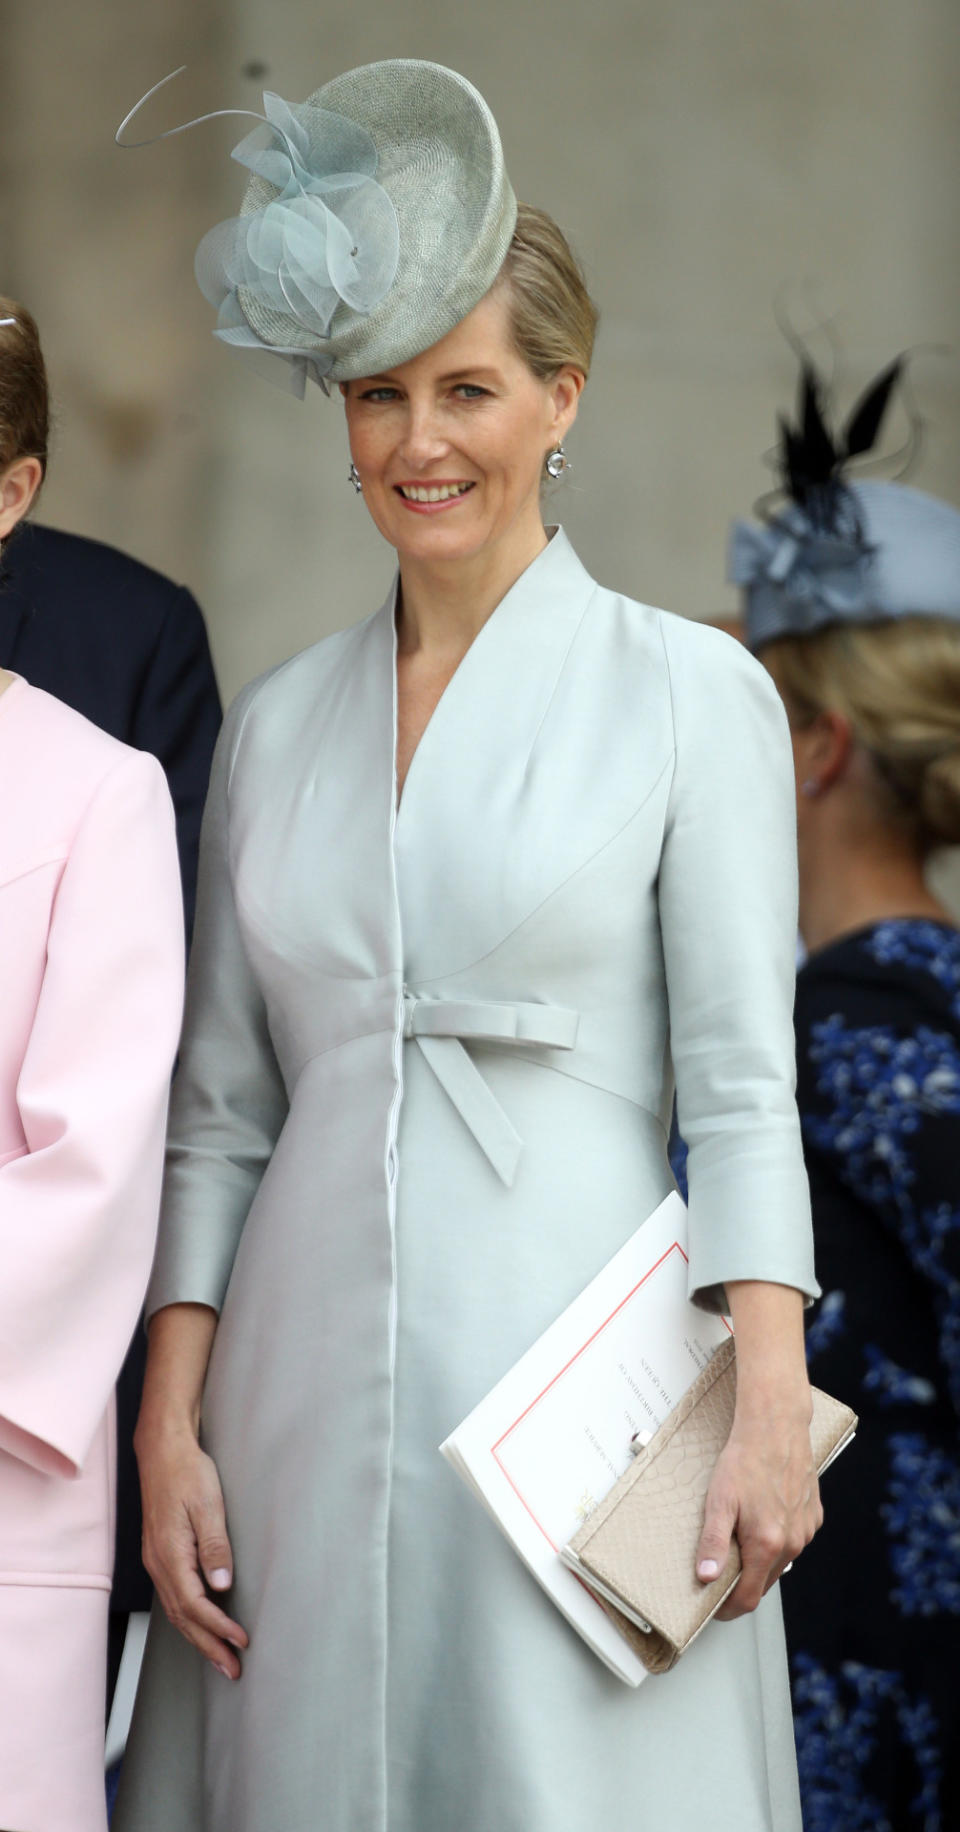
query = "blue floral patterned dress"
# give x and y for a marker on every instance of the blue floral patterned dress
(873, 1606)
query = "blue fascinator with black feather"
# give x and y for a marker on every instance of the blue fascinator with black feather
(842, 549)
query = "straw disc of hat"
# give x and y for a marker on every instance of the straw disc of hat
(441, 163)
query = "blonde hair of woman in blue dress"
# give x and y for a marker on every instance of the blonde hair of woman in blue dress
(479, 874)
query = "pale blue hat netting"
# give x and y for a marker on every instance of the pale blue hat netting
(326, 235)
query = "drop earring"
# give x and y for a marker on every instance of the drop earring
(556, 462)
(353, 476)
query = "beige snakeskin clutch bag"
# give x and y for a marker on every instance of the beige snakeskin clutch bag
(637, 1550)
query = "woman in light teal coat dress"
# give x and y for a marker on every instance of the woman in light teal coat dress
(479, 876)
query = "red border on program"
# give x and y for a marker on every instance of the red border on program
(674, 1247)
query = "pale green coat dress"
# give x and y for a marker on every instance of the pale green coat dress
(423, 1097)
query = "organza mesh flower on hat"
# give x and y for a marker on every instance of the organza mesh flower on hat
(843, 550)
(377, 215)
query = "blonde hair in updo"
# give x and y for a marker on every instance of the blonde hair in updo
(898, 684)
(552, 316)
(24, 401)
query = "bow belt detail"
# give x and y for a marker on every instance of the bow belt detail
(438, 1026)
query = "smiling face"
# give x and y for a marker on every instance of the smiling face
(450, 446)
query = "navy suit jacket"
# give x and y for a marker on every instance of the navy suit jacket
(128, 649)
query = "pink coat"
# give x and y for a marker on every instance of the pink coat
(91, 977)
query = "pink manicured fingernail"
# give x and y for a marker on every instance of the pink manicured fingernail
(220, 1579)
(707, 1568)
(224, 1670)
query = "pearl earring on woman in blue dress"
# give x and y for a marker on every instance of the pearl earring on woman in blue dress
(353, 476)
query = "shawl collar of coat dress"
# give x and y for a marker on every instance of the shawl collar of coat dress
(321, 732)
(482, 786)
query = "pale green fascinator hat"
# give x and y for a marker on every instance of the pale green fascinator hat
(377, 215)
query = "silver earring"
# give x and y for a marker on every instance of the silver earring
(353, 476)
(556, 462)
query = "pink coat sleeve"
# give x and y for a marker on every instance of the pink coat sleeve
(78, 1211)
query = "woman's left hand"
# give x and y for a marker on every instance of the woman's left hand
(764, 1489)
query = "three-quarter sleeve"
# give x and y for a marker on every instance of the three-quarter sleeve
(229, 1102)
(728, 914)
(78, 1209)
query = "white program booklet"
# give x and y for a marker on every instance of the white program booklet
(552, 1437)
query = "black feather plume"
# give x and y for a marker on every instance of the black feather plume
(866, 417)
(811, 459)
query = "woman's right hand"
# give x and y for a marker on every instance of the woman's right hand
(185, 1544)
